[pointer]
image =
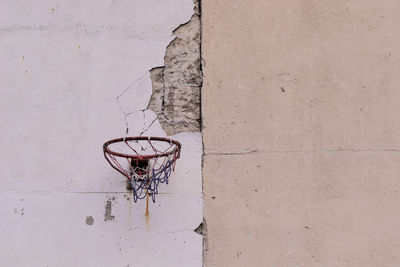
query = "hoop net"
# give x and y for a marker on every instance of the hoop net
(144, 161)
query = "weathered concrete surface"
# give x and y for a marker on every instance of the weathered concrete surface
(177, 84)
(62, 66)
(54, 231)
(301, 121)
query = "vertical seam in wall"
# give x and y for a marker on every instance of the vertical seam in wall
(201, 68)
(204, 230)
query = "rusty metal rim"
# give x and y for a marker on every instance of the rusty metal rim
(106, 149)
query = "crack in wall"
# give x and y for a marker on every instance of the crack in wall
(161, 232)
(176, 97)
(338, 150)
(232, 152)
(84, 28)
(177, 84)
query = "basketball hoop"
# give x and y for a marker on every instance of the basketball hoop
(144, 161)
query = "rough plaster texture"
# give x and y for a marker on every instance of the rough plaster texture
(301, 133)
(73, 75)
(177, 84)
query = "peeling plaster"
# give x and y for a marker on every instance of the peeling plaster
(199, 229)
(177, 84)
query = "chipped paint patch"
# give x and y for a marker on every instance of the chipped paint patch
(107, 214)
(89, 220)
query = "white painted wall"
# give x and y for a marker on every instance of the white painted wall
(62, 65)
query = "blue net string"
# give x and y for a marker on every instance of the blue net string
(141, 186)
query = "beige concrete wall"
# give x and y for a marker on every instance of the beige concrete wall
(301, 112)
